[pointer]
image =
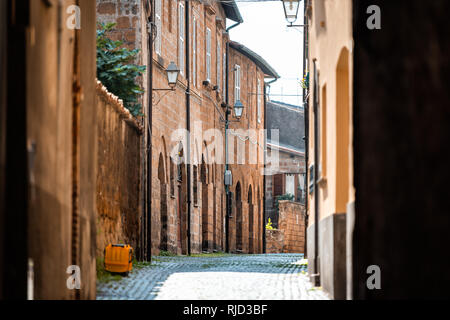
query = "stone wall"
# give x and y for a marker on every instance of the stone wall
(290, 235)
(274, 241)
(292, 221)
(118, 176)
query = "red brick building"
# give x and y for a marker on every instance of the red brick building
(187, 197)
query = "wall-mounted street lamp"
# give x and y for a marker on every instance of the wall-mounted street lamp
(172, 72)
(238, 109)
(291, 11)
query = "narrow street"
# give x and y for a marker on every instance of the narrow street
(224, 150)
(216, 277)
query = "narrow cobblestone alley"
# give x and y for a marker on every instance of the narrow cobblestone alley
(216, 277)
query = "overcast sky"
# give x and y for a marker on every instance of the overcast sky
(264, 31)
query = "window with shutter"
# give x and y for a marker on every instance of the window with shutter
(208, 54)
(169, 16)
(218, 64)
(224, 74)
(237, 83)
(194, 52)
(158, 26)
(181, 38)
(259, 101)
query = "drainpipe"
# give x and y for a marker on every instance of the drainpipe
(227, 188)
(188, 126)
(148, 214)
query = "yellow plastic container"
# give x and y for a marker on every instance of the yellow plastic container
(119, 258)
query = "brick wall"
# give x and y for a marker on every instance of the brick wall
(126, 15)
(118, 175)
(290, 235)
(292, 221)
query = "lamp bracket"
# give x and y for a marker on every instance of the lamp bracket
(167, 89)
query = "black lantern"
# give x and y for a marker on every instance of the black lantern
(172, 74)
(238, 109)
(291, 9)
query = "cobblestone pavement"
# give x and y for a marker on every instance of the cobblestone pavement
(228, 277)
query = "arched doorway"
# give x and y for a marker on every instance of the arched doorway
(250, 221)
(238, 217)
(214, 216)
(259, 222)
(163, 204)
(342, 132)
(181, 201)
(205, 204)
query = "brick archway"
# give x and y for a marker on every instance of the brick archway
(251, 248)
(259, 222)
(163, 205)
(181, 201)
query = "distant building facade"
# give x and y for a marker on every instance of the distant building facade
(285, 140)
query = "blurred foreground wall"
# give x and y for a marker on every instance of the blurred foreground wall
(48, 150)
(401, 131)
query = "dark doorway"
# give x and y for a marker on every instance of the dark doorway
(214, 218)
(14, 21)
(259, 223)
(222, 224)
(238, 217)
(205, 205)
(250, 221)
(179, 210)
(163, 204)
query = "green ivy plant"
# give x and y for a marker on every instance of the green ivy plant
(116, 71)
